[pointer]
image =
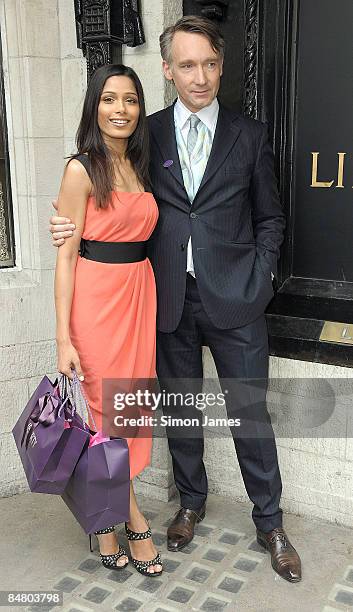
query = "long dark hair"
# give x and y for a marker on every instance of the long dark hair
(89, 139)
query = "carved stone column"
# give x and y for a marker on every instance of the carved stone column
(103, 26)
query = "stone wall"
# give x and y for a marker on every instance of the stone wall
(33, 86)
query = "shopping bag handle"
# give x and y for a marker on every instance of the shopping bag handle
(75, 383)
(68, 388)
(62, 383)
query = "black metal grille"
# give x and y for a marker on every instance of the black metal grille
(95, 20)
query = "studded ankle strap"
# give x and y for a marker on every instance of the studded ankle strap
(133, 535)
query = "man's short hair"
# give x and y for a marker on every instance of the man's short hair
(194, 25)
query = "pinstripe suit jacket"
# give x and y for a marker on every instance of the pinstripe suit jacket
(236, 222)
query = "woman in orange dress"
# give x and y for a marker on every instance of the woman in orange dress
(106, 298)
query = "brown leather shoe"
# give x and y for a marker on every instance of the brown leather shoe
(284, 558)
(181, 530)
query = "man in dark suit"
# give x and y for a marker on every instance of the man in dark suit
(214, 253)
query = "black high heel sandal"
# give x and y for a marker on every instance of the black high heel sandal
(109, 561)
(142, 566)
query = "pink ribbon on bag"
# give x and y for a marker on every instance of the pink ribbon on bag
(44, 413)
(98, 438)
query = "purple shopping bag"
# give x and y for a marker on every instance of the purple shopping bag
(50, 437)
(98, 493)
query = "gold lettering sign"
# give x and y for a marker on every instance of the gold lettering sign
(314, 172)
(340, 170)
(314, 181)
(340, 333)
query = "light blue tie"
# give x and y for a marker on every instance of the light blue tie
(193, 154)
(193, 134)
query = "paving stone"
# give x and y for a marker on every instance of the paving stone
(198, 574)
(232, 562)
(67, 584)
(41, 608)
(119, 576)
(212, 604)
(344, 597)
(214, 554)
(75, 607)
(159, 538)
(246, 565)
(180, 594)
(90, 566)
(169, 565)
(229, 538)
(97, 595)
(230, 584)
(150, 585)
(80, 609)
(349, 576)
(203, 531)
(129, 604)
(168, 521)
(150, 514)
(189, 548)
(257, 548)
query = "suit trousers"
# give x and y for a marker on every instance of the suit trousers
(241, 359)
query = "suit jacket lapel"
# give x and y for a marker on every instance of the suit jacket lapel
(166, 142)
(226, 135)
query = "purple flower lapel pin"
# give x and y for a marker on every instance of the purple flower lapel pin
(168, 163)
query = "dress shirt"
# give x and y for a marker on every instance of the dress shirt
(208, 116)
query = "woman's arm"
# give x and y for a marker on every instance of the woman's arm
(74, 192)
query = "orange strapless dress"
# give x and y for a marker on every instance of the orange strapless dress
(113, 315)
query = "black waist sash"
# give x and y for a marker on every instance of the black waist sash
(113, 252)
